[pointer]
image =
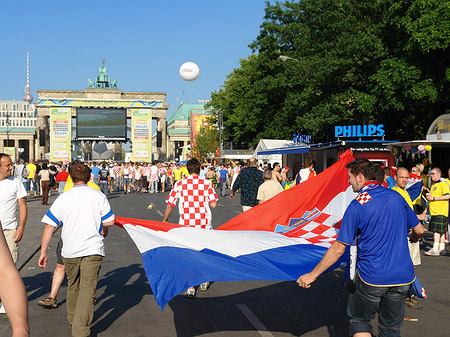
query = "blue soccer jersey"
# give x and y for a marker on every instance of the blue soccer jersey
(380, 218)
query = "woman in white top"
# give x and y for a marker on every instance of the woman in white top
(126, 178)
(137, 179)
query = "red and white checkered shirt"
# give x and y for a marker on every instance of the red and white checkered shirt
(117, 169)
(195, 195)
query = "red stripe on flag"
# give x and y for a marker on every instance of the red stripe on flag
(293, 203)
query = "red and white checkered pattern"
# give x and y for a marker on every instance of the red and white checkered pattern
(362, 198)
(194, 195)
(322, 230)
(117, 169)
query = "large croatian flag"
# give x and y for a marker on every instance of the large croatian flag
(278, 240)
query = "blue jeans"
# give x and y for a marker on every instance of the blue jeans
(104, 187)
(364, 303)
(154, 187)
(61, 185)
(126, 183)
(222, 186)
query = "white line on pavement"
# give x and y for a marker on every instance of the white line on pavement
(159, 213)
(260, 328)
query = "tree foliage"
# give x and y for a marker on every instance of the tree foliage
(206, 143)
(350, 62)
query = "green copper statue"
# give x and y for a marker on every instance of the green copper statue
(102, 80)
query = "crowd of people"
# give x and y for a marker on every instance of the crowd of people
(81, 249)
(40, 179)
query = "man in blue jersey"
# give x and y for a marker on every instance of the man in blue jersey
(380, 219)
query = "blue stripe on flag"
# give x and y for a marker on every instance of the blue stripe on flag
(171, 270)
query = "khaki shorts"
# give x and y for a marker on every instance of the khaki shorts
(13, 246)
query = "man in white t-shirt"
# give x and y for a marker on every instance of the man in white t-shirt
(86, 214)
(12, 193)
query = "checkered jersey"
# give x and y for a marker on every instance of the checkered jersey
(117, 169)
(194, 195)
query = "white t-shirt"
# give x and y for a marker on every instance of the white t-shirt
(304, 174)
(81, 211)
(11, 189)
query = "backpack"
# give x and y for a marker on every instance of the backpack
(25, 172)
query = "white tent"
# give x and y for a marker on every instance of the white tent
(267, 144)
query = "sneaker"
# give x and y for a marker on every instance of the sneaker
(432, 252)
(413, 303)
(190, 293)
(443, 252)
(2, 309)
(204, 286)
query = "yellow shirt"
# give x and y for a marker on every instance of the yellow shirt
(439, 207)
(184, 172)
(69, 185)
(32, 169)
(404, 194)
(177, 174)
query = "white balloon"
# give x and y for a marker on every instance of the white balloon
(189, 71)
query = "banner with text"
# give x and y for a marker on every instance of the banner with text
(60, 133)
(141, 139)
(10, 151)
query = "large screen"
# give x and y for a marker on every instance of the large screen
(102, 124)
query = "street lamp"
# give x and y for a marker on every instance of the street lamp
(7, 128)
(220, 122)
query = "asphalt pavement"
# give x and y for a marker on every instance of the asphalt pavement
(126, 306)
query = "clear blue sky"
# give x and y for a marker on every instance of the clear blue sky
(144, 43)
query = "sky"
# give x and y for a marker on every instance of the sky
(144, 44)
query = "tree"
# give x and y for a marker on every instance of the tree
(351, 62)
(206, 143)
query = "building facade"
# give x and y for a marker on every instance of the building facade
(18, 129)
(51, 102)
(180, 131)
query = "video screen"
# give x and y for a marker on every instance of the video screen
(101, 124)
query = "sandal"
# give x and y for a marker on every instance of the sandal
(49, 302)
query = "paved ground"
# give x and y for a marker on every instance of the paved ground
(126, 306)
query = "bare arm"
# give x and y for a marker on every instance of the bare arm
(46, 237)
(331, 256)
(213, 204)
(167, 213)
(416, 233)
(22, 219)
(12, 292)
(441, 198)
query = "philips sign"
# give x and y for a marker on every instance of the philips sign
(359, 131)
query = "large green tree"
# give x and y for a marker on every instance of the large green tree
(206, 143)
(349, 62)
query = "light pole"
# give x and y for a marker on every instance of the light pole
(7, 128)
(220, 122)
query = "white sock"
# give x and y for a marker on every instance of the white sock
(441, 246)
(436, 246)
